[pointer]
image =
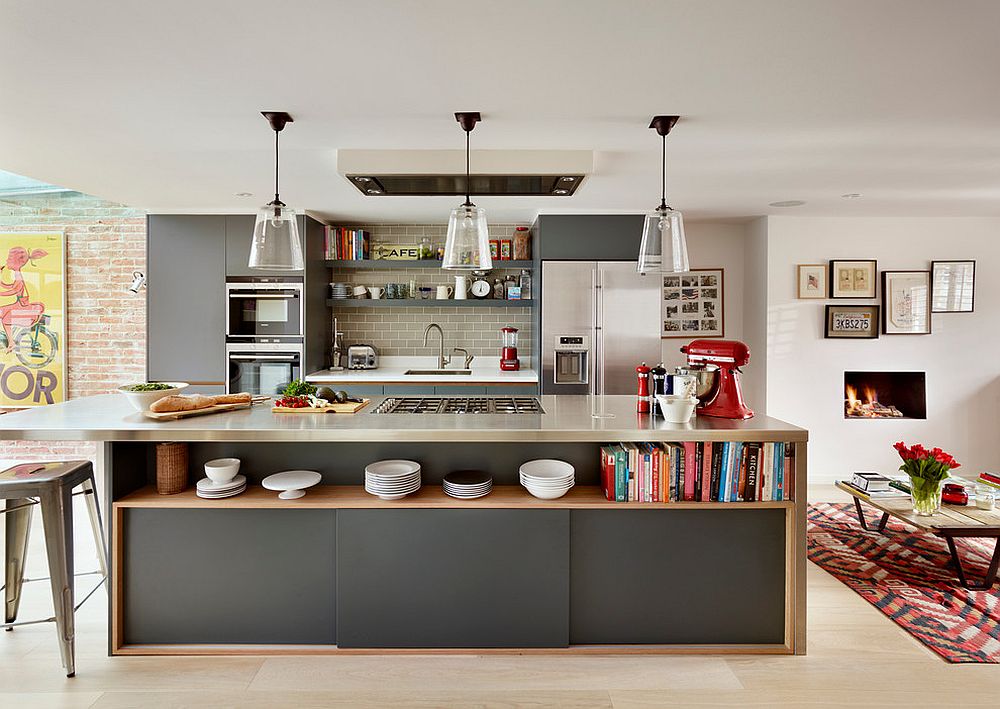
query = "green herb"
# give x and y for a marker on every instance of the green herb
(299, 388)
(151, 386)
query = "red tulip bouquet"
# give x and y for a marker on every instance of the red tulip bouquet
(928, 469)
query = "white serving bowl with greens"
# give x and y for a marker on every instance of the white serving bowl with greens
(142, 395)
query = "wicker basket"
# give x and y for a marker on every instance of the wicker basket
(171, 468)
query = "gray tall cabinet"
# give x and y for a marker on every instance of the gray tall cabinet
(189, 257)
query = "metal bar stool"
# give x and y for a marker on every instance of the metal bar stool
(49, 485)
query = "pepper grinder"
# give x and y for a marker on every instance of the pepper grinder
(642, 401)
(658, 381)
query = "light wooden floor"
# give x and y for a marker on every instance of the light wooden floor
(857, 658)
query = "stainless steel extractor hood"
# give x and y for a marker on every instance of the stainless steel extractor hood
(426, 173)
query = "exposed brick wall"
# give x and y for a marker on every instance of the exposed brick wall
(106, 324)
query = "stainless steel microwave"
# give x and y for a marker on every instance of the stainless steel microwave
(259, 309)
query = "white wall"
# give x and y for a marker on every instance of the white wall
(804, 382)
(715, 245)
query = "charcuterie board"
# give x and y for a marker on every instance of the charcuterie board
(218, 408)
(348, 407)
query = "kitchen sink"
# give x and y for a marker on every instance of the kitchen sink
(435, 372)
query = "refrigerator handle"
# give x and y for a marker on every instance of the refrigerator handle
(597, 370)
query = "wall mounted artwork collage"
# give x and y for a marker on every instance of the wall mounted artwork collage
(907, 300)
(693, 304)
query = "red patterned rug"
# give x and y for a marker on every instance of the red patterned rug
(907, 575)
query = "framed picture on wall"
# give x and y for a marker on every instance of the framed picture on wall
(852, 322)
(953, 286)
(906, 302)
(812, 280)
(693, 304)
(853, 278)
(33, 306)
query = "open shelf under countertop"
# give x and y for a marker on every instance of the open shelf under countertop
(428, 497)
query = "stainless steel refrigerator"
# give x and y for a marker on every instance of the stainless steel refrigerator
(593, 311)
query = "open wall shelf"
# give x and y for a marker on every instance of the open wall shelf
(426, 263)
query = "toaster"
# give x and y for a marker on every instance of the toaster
(362, 357)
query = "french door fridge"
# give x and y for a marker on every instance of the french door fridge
(593, 311)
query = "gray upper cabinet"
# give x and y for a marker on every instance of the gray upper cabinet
(239, 233)
(185, 303)
(587, 237)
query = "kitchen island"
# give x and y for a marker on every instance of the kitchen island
(341, 571)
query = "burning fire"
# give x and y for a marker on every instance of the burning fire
(868, 406)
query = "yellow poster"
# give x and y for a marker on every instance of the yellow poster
(33, 318)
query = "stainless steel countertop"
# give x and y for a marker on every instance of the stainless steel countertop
(109, 417)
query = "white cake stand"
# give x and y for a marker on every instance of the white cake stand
(292, 483)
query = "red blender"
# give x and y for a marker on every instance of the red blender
(508, 354)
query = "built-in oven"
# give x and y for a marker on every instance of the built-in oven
(262, 367)
(263, 308)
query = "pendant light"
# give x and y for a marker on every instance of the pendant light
(276, 245)
(663, 248)
(467, 246)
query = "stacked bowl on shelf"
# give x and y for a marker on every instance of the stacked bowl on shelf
(547, 479)
(392, 479)
(467, 484)
(340, 291)
(222, 479)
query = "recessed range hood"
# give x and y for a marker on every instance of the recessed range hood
(435, 173)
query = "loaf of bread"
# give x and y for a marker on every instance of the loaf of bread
(241, 398)
(171, 404)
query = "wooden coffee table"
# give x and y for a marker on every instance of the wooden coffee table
(952, 521)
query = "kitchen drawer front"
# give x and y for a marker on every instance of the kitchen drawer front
(357, 389)
(531, 390)
(677, 576)
(452, 578)
(229, 576)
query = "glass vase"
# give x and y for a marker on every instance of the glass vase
(926, 496)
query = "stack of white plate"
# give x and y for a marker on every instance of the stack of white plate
(215, 491)
(467, 484)
(548, 479)
(340, 291)
(392, 479)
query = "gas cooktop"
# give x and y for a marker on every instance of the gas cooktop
(459, 405)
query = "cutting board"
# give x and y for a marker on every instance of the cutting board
(218, 408)
(348, 407)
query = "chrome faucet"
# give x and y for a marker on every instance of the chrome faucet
(442, 360)
(468, 357)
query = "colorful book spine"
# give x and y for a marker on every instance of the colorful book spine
(724, 457)
(753, 465)
(706, 472)
(734, 478)
(690, 470)
(716, 470)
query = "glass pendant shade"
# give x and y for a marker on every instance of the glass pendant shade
(276, 245)
(467, 246)
(663, 248)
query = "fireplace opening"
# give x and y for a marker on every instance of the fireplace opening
(885, 395)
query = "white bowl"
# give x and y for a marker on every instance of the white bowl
(222, 470)
(545, 493)
(544, 469)
(547, 483)
(141, 400)
(392, 468)
(676, 408)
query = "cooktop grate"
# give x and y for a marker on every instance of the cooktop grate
(460, 405)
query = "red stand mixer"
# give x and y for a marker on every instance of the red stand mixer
(726, 397)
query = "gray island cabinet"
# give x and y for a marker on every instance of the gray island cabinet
(341, 571)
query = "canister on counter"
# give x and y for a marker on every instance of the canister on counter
(684, 383)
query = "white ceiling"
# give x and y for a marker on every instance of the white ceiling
(156, 104)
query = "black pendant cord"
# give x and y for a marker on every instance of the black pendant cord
(276, 200)
(468, 202)
(663, 175)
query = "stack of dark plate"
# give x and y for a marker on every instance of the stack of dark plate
(340, 291)
(467, 484)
